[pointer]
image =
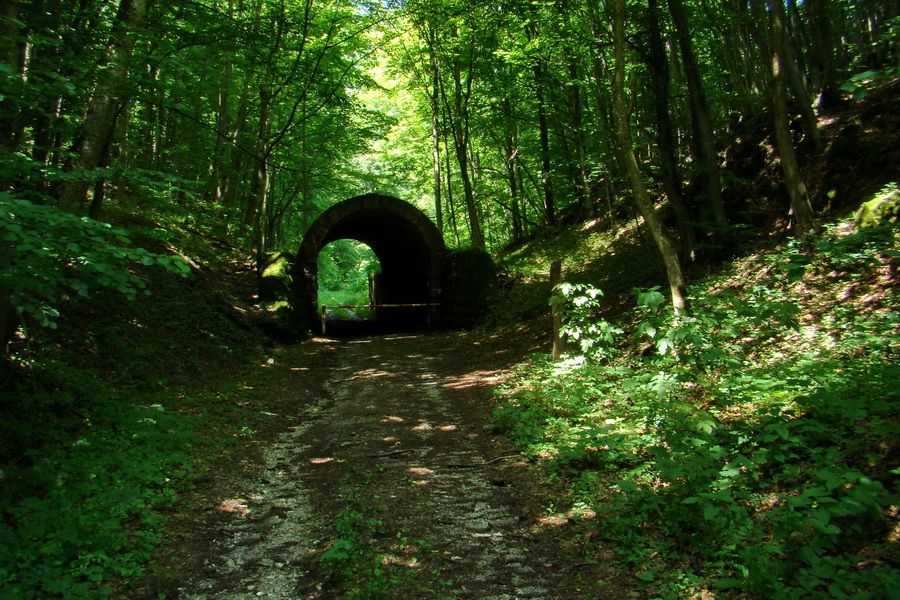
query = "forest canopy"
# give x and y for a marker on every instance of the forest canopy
(245, 119)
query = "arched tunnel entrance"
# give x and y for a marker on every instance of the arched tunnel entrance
(408, 245)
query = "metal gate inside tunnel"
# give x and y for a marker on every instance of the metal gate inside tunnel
(408, 245)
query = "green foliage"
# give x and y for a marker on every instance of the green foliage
(577, 305)
(882, 210)
(860, 84)
(83, 477)
(722, 456)
(344, 270)
(48, 253)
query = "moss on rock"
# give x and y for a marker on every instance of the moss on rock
(884, 208)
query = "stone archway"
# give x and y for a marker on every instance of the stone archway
(408, 245)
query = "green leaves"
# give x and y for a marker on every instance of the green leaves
(578, 305)
(78, 507)
(47, 253)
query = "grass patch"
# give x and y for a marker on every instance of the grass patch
(363, 560)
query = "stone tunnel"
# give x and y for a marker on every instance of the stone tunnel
(408, 245)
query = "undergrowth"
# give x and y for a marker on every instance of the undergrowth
(105, 418)
(363, 560)
(749, 449)
(86, 476)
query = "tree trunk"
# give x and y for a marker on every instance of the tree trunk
(587, 202)
(106, 100)
(450, 205)
(508, 155)
(9, 29)
(558, 340)
(9, 318)
(235, 154)
(824, 74)
(795, 77)
(800, 205)
(659, 67)
(436, 140)
(708, 156)
(546, 178)
(460, 127)
(666, 248)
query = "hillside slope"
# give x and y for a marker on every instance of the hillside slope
(751, 449)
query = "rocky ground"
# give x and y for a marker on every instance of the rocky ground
(380, 478)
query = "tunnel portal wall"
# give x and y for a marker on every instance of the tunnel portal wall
(408, 245)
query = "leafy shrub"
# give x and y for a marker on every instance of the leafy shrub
(47, 253)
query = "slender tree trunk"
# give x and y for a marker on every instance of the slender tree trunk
(106, 100)
(800, 205)
(235, 154)
(659, 67)
(216, 177)
(794, 76)
(9, 29)
(587, 202)
(666, 248)
(122, 154)
(546, 174)
(450, 204)
(460, 127)
(304, 168)
(436, 139)
(259, 187)
(824, 74)
(706, 144)
(601, 73)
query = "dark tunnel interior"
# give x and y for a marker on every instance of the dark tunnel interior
(399, 246)
(405, 260)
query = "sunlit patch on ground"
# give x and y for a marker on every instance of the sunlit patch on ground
(236, 506)
(475, 378)
(421, 471)
(553, 520)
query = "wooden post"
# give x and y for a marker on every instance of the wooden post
(555, 277)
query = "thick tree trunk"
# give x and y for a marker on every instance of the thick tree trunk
(666, 248)
(706, 144)
(800, 205)
(106, 101)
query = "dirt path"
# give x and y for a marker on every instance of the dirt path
(386, 483)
